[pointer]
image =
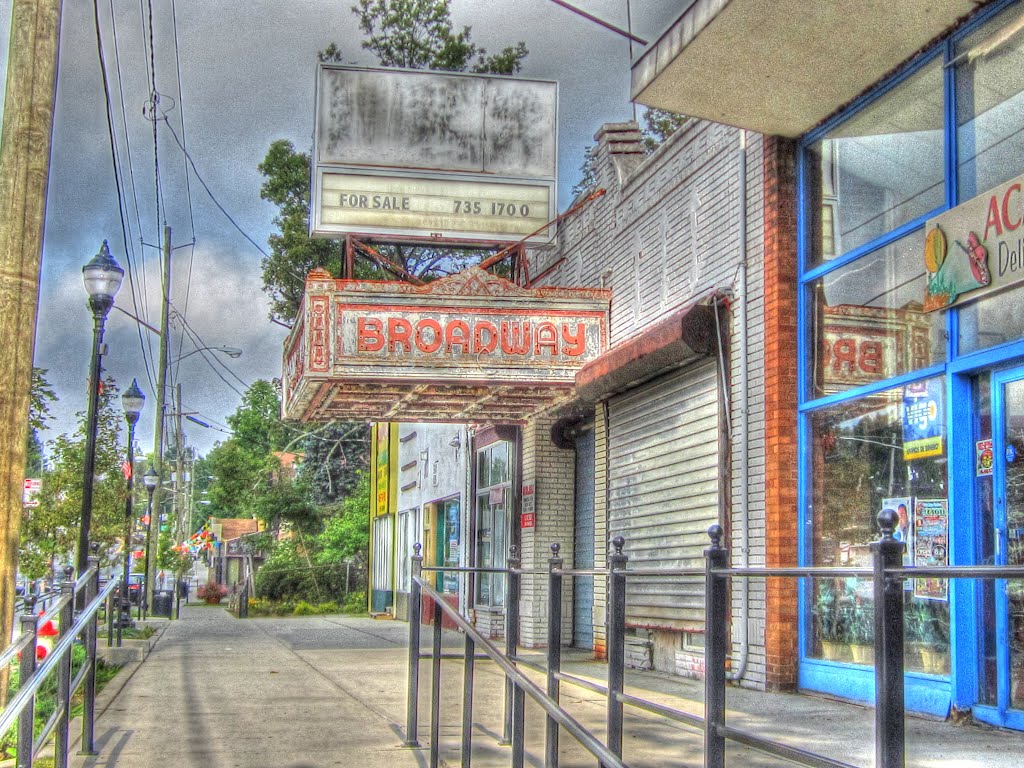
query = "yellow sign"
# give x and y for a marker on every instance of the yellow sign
(444, 207)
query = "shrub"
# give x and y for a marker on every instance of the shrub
(355, 602)
(211, 589)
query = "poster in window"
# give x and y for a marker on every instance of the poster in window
(923, 419)
(904, 525)
(931, 545)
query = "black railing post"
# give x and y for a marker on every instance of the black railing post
(615, 631)
(467, 702)
(716, 603)
(889, 713)
(515, 581)
(243, 601)
(29, 624)
(435, 690)
(92, 589)
(554, 652)
(413, 692)
(66, 620)
(518, 725)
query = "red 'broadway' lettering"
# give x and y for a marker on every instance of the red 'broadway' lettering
(515, 338)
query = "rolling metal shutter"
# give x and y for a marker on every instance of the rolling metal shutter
(664, 489)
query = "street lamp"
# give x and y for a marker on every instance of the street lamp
(102, 277)
(132, 400)
(232, 352)
(150, 479)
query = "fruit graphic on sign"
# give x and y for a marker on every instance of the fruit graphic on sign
(934, 249)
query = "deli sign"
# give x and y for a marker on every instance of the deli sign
(471, 347)
(977, 248)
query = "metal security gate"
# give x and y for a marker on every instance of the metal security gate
(664, 487)
(583, 546)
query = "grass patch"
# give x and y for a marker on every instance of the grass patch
(261, 606)
(135, 633)
(46, 699)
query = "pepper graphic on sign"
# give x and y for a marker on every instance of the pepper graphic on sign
(953, 272)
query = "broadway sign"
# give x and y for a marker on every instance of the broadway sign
(473, 347)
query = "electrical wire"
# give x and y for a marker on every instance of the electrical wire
(108, 108)
(143, 289)
(216, 202)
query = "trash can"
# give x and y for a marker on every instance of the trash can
(163, 603)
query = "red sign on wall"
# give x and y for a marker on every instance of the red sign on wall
(528, 520)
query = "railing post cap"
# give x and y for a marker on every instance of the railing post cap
(618, 542)
(715, 533)
(555, 549)
(888, 519)
(416, 548)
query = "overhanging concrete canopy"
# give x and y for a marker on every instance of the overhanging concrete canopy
(781, 67)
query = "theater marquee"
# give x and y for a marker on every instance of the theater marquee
(471, 347)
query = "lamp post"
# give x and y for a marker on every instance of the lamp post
(132, 400)
(102, 277)
(150, 479)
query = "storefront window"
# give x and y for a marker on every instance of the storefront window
(886, 450)
(986, 322)
(990, 104)
(867, 322)
(878, 170)
(494, 472)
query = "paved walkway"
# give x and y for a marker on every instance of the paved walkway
(315, 692)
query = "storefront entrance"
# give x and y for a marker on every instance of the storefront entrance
(999, 495)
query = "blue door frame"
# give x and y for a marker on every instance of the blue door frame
(1001, 714)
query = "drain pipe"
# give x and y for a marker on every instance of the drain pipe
(744, 426)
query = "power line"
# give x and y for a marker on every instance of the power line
(108, 108)
(210, 192)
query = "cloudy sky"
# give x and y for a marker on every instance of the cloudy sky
(246, 79)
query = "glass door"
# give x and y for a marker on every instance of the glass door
(1006, 606)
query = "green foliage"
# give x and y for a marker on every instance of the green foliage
(333, 459)
(257, 422)
(49, 532)
(415, 34)
(659, 125)
(346, 533)
(46, 699)
(40, 396)
(292, 573)
(259, 606)
(418, 34)
(287, 503)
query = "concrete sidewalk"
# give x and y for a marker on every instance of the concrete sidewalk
(330, 691)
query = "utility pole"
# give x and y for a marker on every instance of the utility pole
(179, 480)
(24, 171)
(158, 440)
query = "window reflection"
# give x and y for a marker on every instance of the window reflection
(880, 169)
(886, 450)
(867, 321)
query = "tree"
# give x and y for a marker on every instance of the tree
(333, 459)
(658, 127)
(347, 533)
(414, 34)
(418, 34)
(49, 532)
(38, 416)
(257, 424)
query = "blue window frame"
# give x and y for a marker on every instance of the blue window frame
(836, 374)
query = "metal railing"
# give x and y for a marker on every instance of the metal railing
(887, 574)
(57, 662)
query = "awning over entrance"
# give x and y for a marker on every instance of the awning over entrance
(472, 347)
(781, 67)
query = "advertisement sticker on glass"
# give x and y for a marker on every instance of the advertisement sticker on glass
(931, 545)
